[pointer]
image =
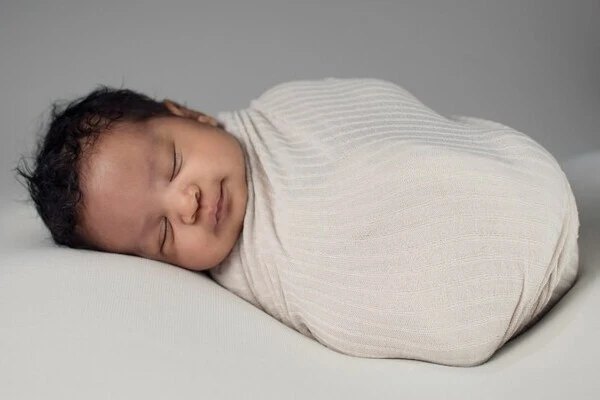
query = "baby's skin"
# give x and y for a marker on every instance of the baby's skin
(152, 189)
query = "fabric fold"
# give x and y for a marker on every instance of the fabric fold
(383, 229)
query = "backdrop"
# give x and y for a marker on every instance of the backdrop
(530, 64)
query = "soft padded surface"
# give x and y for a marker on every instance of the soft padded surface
(86, 325)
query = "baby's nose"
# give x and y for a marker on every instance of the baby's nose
(191, 205)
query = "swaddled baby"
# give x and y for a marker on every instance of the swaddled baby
(345, 208)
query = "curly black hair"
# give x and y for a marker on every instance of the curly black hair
(53, 182)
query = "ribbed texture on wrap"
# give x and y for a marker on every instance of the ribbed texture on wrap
(383, 229)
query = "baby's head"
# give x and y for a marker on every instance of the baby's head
(120, 172)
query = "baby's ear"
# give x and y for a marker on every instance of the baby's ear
(183, 111)
(176, 108)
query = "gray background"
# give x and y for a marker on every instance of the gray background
(533, 65)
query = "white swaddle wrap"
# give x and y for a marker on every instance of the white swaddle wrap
(383, 229)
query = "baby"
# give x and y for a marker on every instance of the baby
(123, 173)
(344, 208)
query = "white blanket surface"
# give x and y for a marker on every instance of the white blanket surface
(383, 229)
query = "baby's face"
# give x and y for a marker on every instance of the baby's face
(151, 190)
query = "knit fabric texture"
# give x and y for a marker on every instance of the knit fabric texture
(383, 229)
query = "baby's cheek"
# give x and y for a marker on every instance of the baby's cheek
(196, 251)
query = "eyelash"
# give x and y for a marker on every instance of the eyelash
(166, 230)
(175, 154)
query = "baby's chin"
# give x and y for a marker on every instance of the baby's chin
(203, 265)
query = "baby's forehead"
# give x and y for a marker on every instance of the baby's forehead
(115, 182)
(129, 155)
(123, 150)
(137, 136)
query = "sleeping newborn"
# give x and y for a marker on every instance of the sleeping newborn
(344, 208)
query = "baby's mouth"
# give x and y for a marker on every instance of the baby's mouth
(219, 205)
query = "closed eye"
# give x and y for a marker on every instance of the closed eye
(162, 245)
(174, 163)
(166, 228)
